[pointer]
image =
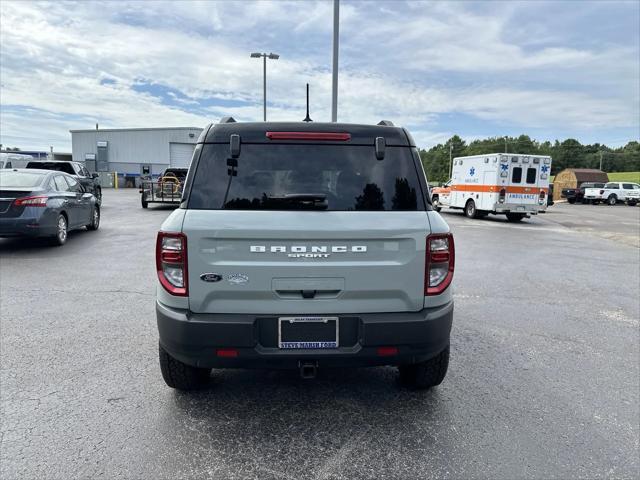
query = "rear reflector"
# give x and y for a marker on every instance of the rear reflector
(387, 351)
(227, 352)
(322, 136)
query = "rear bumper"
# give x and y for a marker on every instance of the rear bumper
(195, 338)
(529, 209)
(24, 227)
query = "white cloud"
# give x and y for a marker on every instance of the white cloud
(404, 62)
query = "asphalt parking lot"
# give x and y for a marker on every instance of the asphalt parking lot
(544, 380)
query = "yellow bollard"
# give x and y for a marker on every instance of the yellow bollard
(115, 180)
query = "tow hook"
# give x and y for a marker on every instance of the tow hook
(308, 370)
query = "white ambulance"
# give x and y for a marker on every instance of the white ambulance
(499, 183)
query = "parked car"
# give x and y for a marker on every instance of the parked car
(304, 246)
(574, 195)
(88, 180)
(633, 197)
(612, 192)
(44, 203)
(14, 160)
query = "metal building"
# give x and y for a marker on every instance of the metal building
(133, 151)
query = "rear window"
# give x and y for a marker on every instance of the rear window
(516, 176)
(612, 185)
(58, 167)
(11, 179)
(306, 177)
(531, 175)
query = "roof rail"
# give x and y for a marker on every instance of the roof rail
(227, 120)
(386, 123)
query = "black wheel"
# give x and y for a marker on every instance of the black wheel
(470, 209)
(62, 230)
(632, 203)
(571, 201)
(426, 374)
(515, 217)
(143, 201)
(436, 203)
(612, 200)
(95, 219)
(98, 196)
(181, 376)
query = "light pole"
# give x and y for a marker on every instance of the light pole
(336, 48)
(264, 56)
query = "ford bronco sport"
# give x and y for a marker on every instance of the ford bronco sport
(304, 246)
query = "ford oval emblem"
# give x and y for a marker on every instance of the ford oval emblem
(210, 277)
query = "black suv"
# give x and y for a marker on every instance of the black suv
(88, 180)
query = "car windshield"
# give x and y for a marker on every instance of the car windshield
(13, 179)
(306, 177)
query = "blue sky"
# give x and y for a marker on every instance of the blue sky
(487, 68)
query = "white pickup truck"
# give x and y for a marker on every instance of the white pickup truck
(612, 193)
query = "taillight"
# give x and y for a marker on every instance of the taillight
(39, 201)
(171, 262)
(502, 195)
(543, 194)
(440, 262)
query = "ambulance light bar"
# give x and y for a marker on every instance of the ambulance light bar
(514, 159)
(547, 161)
(525, 160)
(536, 160)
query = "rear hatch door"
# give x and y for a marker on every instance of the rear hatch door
(306, 229)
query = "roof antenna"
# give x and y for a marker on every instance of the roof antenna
(307, 118)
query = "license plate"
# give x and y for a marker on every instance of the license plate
(307, 332)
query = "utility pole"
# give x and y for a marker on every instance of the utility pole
(505, 144)
(450, 155)
(336, 43)
(600, 160)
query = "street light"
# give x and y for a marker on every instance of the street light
(264, 56)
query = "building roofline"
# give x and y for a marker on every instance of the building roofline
(133, 129)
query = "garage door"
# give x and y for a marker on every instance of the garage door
(180, 154)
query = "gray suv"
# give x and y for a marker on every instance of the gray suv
(304, 246)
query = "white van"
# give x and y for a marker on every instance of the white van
(14, 160)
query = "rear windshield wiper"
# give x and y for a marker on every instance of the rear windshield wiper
(312, 201)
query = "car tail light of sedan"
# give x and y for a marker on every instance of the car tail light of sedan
(171, 263)
(38, 201)
(440, 263)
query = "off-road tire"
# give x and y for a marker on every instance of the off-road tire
(515, 217)
(470, 209)
(181, 376)
(143, 202)
(612, 200)
(95, 219)
(632, 203)
(571, 201)
(425, 374)
(62, 231)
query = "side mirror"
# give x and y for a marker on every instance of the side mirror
(234, 145)
(94, 175)
(381, 146)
